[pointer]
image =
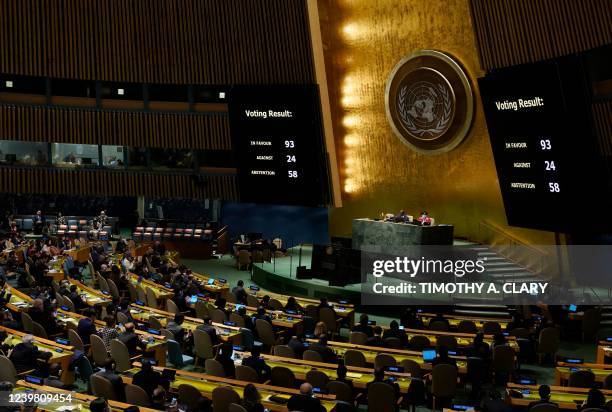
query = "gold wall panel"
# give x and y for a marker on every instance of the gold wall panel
(363, 41)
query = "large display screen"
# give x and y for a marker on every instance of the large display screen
(278, 141)
(548, 167)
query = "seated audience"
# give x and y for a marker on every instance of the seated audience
(443, 358)
(239, 292)
(224, 357)
(87, 326)
(304, 401)
(251, 399)
(341, 372)
(25, 355)
(363, 326)
(108, 332)
(210, 329)
(376, 339)
(544, 393)
(147, 378)
(325, 351)
(74, 296)
(99, 405)
(595, 399)
(53, 380)
(175, 326)
(320, 329)
(256, 362)
(379, 376)
(293, 305)
(108, 372)
(131, 340)
(297, 344)
(395, 332)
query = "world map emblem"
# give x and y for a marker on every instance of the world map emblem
(429, 102)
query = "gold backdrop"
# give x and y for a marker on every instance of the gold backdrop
(363, 40)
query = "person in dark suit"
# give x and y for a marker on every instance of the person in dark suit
(494, 403)
(379, 376)
(341, 375)
(239, 292)
(376, 339)
(210, 329)
(363, 326)
(304, 401)
(108, 372)
(38, 222)
(544, 392)
(324, 303)
(147, 378)
(99, 405)
(175, 326)
(25, 354)
(595, 399)
(395, 332)
(248, 321)
(325, 351)
(43, 315)
(443, 358)
(131, 340)
(293, 305)
(256, 362)
(53, 380)
(224, 357)
(87, 326)
(297, 345)
(74, 296)
(261, 314)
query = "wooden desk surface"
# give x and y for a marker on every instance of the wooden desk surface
(564, 396)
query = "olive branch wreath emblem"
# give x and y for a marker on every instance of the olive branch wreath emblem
(443, 121)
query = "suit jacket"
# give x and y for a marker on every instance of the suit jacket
(116, 381)
(367, 329)
(260, 366)
(326, 353)
(24, 356)
(304, 403)
(212, 332)
(85, 329)
(147, 380)
(132, 342)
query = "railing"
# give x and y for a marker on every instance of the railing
(510, 247)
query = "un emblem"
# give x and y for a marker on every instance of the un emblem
(429, 102)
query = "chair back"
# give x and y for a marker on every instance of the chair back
(282, 376)
(237, 319)
(217, 315)
(213, 367)
(444, 380)
(312, 356)
(7, 370)
(235, 407)
(252, 301)
(438, 325)
(247, 338)
(382, 360)
(151, 298)
(68, 302)
(503, 359)
(98, 349)
(38, 330)
(133, 293)
(342, 391)
(419, 342)
(155, 323)
(103, 284)
(27, 321)
(412, 367)
(175, 354)
(113, 289)
(265, 332)
(544, 407)
(171, 306)
(328, 316)
(188, 396)
(354, 357)
(142, 294)
(275, 304)
(223, 397)
(202, 345)
(122, 318)
(102, 388)
(393, 342)
(246, 373)
(467, 326)
(447, 341)
(581, 379)
(119, 352)
(167, 334)
(201, 309)
(75, 340)
(135, 395)
(284, 351)
(548, 341)
(381, 397)
(491, 328)
(358, 338)
(317, 378)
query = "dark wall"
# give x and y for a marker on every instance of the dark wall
(294, 224)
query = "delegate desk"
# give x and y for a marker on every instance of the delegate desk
(59, 353)
(343, 310)
(604, 350)
(207, 383)
(162, 293)
(215, 286)
(565, 397)
(280, 319)
(464, 340)
(359, 376)
(564, 370)
(454, 320)
(79, 255)
(156, 344)
(78, 401)
(224, 332)
(56, 268)
(91, 296)
(371, 352)
(19, 301)
(378, 233)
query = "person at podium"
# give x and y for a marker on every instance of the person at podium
(424, 219)
(401, 217)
